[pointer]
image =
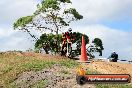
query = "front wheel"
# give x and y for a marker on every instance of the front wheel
(80, 80)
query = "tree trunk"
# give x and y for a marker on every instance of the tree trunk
(57, 43)
(45, 49)
(57, 28)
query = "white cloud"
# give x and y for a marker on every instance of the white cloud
(92, 10)
(7, 32)
(113, 39)
(96, 10)
(10, 10)
(14, 40)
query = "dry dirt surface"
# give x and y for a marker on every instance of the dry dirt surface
(57, 77)
(111, 67)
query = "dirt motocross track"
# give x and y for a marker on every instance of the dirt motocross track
(102, 67)
(111, 67)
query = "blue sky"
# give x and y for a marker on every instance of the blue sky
(121, 25)
(109, 20)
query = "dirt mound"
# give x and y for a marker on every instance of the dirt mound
(31, 54)
(12, 53)
(55, 77)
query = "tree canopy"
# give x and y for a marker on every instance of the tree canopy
(51, 15)
(47, 42)
(98, 44)
(54, 16)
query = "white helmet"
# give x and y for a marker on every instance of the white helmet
(114, 52)
(69, 29)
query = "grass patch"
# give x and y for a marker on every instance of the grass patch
(91, 71)
(12, 85)
(33, 65)
(69, 63)
(40, 84)
(11, 66)
(64, 72)
(5, 69)
(38, 65)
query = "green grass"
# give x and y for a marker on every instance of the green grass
(11, 66)
(38, 65)
(91, 71)
(69, 63)
(6, 69)
(40, 84)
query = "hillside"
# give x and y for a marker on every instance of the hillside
(33, 70)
